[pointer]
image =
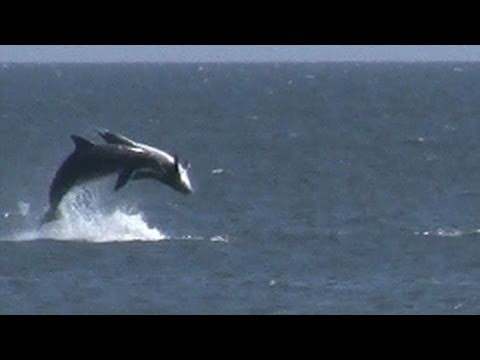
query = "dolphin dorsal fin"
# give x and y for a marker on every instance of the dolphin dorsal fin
(81, 143)
(112, 138)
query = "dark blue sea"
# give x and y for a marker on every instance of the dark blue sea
(330, 188)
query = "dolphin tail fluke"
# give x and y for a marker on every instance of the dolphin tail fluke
(51, 215)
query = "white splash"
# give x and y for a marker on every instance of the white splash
(219, 238)
(23, 208)
(85, 220)
(445, 232)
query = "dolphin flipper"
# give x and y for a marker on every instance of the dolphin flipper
(123, 178)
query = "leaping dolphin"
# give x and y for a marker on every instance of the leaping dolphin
(91, 161)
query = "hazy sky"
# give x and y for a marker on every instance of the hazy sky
(226, 53)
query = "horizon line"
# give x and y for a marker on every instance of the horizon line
(199, 62)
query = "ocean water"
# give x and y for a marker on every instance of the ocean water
(319, 189)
